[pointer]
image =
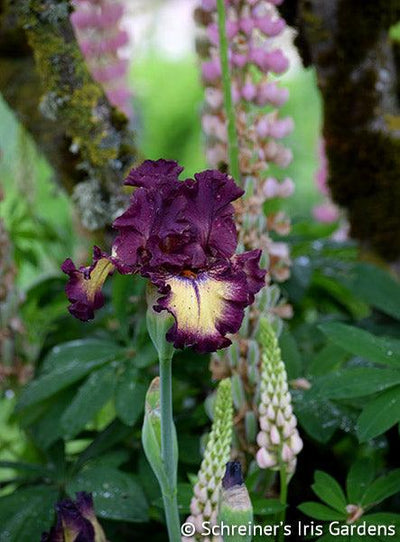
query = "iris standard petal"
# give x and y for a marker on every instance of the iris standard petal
(210, 211)
(84, 286)
(151, 172)
(205, 306)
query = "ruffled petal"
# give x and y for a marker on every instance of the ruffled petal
(83, 288)
(210, 212)
(75, 526)
(249, 263)
(206, 307)
(153, 172)
(154, 229)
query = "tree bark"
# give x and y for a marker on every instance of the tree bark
(44, 79)
(358, 68)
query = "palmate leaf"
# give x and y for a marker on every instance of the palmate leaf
(329, 491)
(319, 511)
(360, 476)
(379, 415)
(382, 488)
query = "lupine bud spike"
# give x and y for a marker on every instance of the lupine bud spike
(207, 489)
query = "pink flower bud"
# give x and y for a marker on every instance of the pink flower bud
(262, 439)
(83, 19)
(281, 127)
(209, 5)
(249, 91)
(110, 15)
(287, 454)
(271, 188)
(264, 459)
(279, 250)
(269, 26)
(272, 94)
(274, 435)
(286, 188)
(296, 443)
(262, 127)
(326, 212)
(283, 157)
(238, 60)
(246, 25)
(214, 97)
(276, 61)
(211, 71)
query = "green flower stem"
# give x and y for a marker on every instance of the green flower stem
(283, 498)
(233, 145)
(168, 453)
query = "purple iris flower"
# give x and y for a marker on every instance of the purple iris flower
(181, 236)
(76, 522)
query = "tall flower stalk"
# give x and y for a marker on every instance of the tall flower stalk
(204, 503)
(181, 236)
(278, 439)
(256, 95)
(97, 24)
(233, 145)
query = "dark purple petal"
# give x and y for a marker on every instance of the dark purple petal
(83, 288)
(152, 172)
(56, 534)
(233, 475)
(210, 213)
(75, 526)
(249, 262)
(154, 230)
(206, 306)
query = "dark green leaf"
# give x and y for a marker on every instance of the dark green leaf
(379, 415)
(26, 513)
(91, 397)
(358, 342)
(356, 382)
(360, 476)
(318, 416)
(82, 351)
(290, 355)
(382, 488)
(320, 511)
(47, 428)
(144, 356)
(112, 435)
(329, 491)
(116, 494)
(129, 396)
(328, 359)
(378, 288)
(60, 378)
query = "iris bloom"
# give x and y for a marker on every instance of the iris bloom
(76, 521)
(182, 237)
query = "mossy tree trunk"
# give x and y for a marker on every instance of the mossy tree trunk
(44, 79)
(358, 70)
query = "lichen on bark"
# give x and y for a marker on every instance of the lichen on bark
(86, 140)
